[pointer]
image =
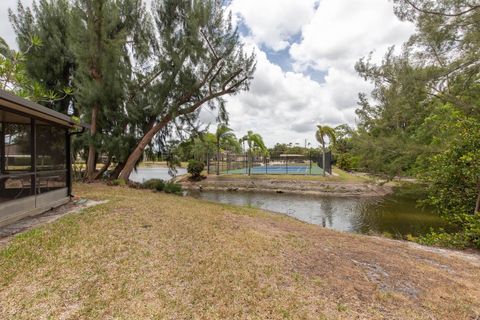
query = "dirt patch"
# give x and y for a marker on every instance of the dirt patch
(292, 186)
(7, 232)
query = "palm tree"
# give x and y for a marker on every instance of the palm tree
(322, 133)
(223, 133)
(254, 142)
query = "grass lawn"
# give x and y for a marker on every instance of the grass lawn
(156, 256)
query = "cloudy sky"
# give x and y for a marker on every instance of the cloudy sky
(306, 51)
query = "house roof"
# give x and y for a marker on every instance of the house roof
(16, 103)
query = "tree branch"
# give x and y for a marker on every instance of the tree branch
(209, 44)
(186, 97)
(224, 85)
(438, 13)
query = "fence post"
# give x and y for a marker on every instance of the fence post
(246, 162)
(310, 159)
(208, 163)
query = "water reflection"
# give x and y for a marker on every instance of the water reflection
(393, 214)
(144, 174)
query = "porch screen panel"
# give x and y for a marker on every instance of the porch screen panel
(15, 157)
(51, 159)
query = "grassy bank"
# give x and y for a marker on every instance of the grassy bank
(152, 255)
(338, 176)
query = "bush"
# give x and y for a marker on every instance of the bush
(154, 184)
(172, 187)
(347, 162)
(195, 168)
(468, 236)
(160, 185)
(118, 182)
(443, 239)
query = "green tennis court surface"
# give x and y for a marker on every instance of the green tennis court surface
(278, 169)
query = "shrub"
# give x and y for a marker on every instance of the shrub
(154, 184)
(172, 187)
(467, 236)
(195, 168)
(443, 239)
(347, 162)
(118, 182)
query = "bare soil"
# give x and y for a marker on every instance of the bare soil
(75, 205)
(287, 185)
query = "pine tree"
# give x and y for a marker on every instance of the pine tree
(106, 36)
(198, 58)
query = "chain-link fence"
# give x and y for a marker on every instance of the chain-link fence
(251, 163)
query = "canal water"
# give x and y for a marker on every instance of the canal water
(144, 174)
(395, 215)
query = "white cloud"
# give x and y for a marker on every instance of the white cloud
(341, 31)
(273, 22)
(6, 30)
(287, 106)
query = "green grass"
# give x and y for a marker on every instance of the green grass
(339, 176)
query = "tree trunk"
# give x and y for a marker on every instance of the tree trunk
(137, 152)
(323, 160)
(477, 205)
(105, 167)
(117, 170)
(218, 157)
(91, 160)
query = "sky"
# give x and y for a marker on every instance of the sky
(306, 52)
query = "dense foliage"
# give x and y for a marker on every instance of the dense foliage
(422, 118)
(195, 168)
(154, 184)
(139, 73)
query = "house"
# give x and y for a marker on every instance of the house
(35, 161)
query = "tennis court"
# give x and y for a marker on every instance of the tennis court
(279, 169)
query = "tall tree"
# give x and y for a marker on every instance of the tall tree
(197, 60)
(222, 133)
(51, 64)
(255, 144)
(322, 134)
(14, 76)
(106, 35)
(447, 45)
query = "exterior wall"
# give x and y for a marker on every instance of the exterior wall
(15, 210)
(35, 163)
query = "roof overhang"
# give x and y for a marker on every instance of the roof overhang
(29, 108)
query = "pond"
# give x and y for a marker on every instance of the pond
(144, 174)
(395, 215)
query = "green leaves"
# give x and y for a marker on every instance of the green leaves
(324, 132)
(36, 41)
(254, 141)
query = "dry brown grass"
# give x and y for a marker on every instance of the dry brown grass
(151, 255)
